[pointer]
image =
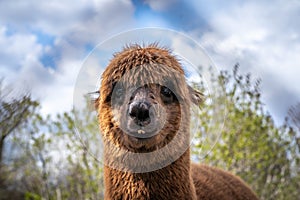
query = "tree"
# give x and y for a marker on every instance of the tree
(83, 178)
(13, 113)
(50, 160)
(250, 144)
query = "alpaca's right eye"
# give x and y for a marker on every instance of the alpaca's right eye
(166, 94)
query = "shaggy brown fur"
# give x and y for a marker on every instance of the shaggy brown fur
(155, 76)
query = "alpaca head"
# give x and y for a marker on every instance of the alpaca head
(144, 99)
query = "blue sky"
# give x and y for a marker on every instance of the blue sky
(43, 43)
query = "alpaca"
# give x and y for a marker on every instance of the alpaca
(144, 116)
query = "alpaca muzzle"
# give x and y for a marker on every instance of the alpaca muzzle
(140, 112)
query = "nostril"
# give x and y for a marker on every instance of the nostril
(139, 111)
(133, 110)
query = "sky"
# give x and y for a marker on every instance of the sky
(43, 44)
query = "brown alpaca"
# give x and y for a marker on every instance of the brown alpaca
(144, 116)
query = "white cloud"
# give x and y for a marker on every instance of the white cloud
(19, 61)
(62, 18)
(73, 26)
(16, 48)
(264, 38)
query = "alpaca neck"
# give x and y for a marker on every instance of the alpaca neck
(171, 182)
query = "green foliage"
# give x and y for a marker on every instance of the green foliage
(47, 160)
(250, 144)
(83, 178)
(31, 196)
(14, 112)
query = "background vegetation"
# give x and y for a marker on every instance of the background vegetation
(42, 157)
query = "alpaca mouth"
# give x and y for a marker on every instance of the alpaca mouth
(142, 133)
(141, 139)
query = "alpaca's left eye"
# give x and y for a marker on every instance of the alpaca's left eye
(166, 94)
(118, 94)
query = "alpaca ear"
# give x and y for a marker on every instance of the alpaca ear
(196, 96)
(93, 100)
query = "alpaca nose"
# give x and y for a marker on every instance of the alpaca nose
(139, 111)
